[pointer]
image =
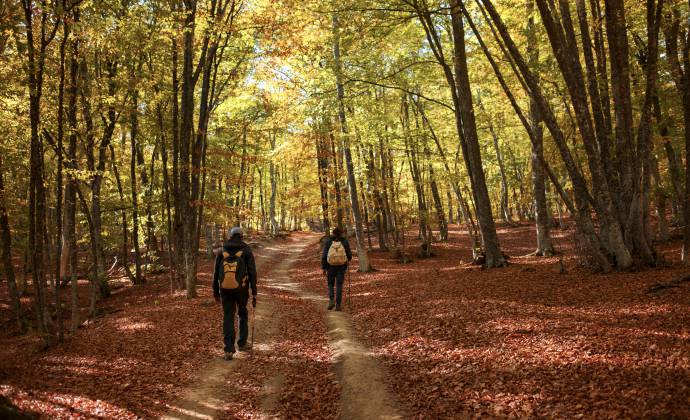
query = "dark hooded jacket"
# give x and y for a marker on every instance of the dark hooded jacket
(232, 246)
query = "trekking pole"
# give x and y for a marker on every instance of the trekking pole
(349, 290)
(253, 325)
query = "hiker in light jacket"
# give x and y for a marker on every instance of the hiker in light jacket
(235, 301)
(335, 272)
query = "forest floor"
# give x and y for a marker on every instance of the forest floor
(436, 338)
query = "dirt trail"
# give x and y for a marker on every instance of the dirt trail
(203, 399)
(364, 394)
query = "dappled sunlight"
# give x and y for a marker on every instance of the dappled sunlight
(64, 405)
(130, 325)
(523, 340)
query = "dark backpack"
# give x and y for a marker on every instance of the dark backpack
(234, 271)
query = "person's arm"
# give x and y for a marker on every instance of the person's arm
(346, 244)
(216, 275)
(324, 256)
(251, 269)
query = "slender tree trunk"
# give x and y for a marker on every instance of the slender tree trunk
(422, 210)
(187, 215)
(69, 242)
(451, 215)
(134, 132)
(125, 230)
(178, 230)
(7, 252)
(59, 187)
(37, 197)
(375, 187)
(544, 243)
(322, 161)
(363, 256)
(98, 167)
(462, 204)
(274, 190)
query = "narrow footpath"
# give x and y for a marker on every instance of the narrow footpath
(363, 394)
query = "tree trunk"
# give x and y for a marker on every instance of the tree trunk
(322, 166)
(134, 132)
(187, 216)
(467, 129)
(680, 70)
(69, 240)
(544, 243)
(364, 264)
(422, 210)
(7, 252)
(581, 208)
(376, 187)
(37, 196)
(125, 230)
(274, 190)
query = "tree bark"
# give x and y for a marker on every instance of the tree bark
(7, 252)
(544, 243)
(363, 256)
(274, 190)
(467, 129)
(134, 133)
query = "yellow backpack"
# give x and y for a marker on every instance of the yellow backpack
(234, 271)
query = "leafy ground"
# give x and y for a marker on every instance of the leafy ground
(524, 340)
(130, 363)
(455, 341)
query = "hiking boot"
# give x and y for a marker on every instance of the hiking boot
(244, 347)
(228, 355)
(330, 305)
(337, 308)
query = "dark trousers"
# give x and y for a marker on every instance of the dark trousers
(235, 303)
(336, 278)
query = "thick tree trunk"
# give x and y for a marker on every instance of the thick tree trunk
(467, 130)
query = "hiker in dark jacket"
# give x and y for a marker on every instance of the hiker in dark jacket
(235, 300)
(335, 273)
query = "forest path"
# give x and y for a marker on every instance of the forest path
(204, 398)
(364, 394)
